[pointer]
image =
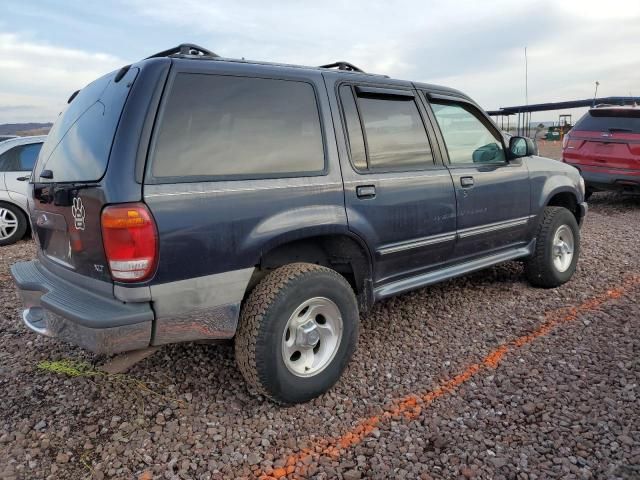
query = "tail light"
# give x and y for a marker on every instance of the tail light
(130, 241)
(565, 140)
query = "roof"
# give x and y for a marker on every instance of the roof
(189, 51)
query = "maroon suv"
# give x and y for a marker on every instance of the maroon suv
(605, 146)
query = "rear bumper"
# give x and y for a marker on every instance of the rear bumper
(604, 178)
(57, 308)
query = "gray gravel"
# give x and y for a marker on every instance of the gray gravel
(564, 406)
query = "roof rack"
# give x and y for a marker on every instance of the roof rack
(343, 66)
(185, 49)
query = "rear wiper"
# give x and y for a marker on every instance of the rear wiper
(614, 129)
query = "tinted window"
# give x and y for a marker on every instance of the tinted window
(20, 159)
(467, 139)
(237, 126)
(77, 147)
(626, 121)
(395, 135)
(354, 129)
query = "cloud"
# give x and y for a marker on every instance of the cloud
(477, 47)
(42, 76)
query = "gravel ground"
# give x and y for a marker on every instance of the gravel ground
(564, 405)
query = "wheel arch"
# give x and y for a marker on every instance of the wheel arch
(564, 197)
(341, 251)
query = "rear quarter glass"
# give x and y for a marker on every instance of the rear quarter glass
(78, 145)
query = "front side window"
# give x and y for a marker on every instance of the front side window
(216, 125)
(21, 158)
(391, 128)
(467, 139)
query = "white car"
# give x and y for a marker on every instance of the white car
(17, 158)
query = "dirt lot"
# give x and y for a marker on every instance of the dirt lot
(550, 149)
(480, 377)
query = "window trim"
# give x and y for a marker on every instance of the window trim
(383, 91)
(151, 179)
(478, 114)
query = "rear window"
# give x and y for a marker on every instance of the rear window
(78, 146)
(617, 120)
(226, 126)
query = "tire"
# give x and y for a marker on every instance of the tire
(274, 308)
(550, 267)
(13, 224)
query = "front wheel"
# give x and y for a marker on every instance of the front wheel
(298, 330)
(557, 249)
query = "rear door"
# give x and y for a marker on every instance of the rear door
(398, 195)
(492, 194)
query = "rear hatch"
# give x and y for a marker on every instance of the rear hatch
(606, 137)
(67, 194)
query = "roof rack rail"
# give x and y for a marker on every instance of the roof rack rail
(185, 49)
(343, 66)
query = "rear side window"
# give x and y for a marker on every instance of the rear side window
(387, 129)
(20, 159)
(226, 126)
(610, 120)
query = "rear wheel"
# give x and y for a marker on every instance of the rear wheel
(13, 224)
(298, 330)
(557, 249)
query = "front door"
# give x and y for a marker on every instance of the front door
(397, 195)
(492, 193)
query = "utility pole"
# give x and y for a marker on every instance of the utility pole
(526, 91)
(595, 95)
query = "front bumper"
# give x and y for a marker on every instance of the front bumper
(58, 308)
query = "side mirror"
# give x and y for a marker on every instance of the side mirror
(522, 147)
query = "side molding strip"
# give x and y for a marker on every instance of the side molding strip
(492, 227)
(420, 242)
(448, 237)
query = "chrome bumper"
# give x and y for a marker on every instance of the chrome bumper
(57, 308)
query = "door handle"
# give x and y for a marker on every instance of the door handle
(23, 179)
(466, 182)
(366, 191)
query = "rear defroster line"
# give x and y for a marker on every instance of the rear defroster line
(410, 407)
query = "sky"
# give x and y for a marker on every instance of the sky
(49, 49)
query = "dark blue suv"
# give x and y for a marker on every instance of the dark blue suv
(192, 197)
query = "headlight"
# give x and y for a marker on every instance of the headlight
(582, 189)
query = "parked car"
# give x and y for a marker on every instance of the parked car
(605, 146)
(17, 158)
(192, 197)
